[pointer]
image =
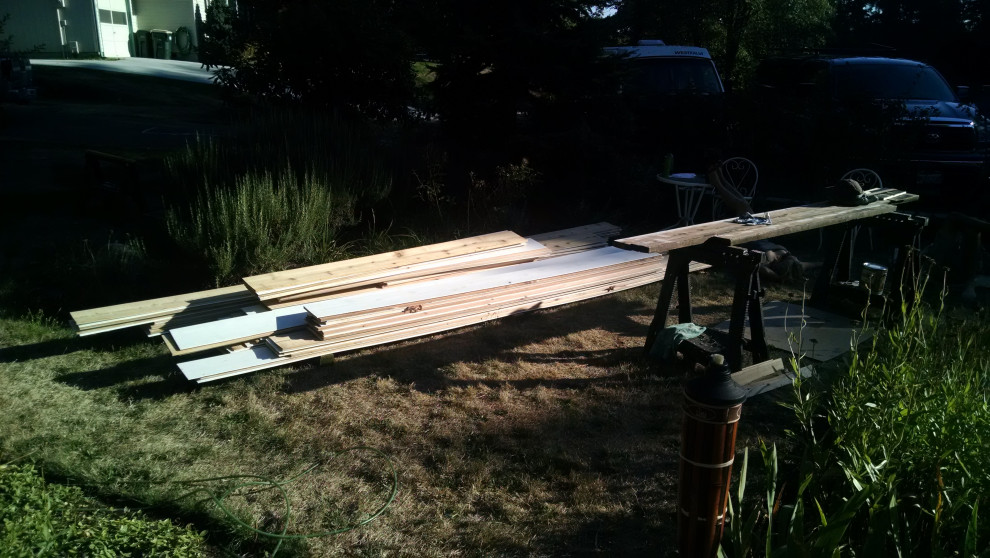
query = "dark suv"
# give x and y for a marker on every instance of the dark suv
(897, 116)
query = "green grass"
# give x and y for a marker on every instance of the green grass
(45, 519)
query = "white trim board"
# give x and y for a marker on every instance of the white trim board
(492, 278)
(266, 323)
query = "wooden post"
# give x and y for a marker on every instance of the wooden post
(712, 407)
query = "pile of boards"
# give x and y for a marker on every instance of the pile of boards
(283, 317)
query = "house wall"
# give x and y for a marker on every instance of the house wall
(38, 22)
(168, 15)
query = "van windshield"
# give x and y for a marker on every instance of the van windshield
(888, 81)
(674, 75)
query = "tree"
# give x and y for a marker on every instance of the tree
(496, 58)
(737, 32)
(346, 53)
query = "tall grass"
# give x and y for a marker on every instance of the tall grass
(266, 222)
(275, 195)
(891, 459)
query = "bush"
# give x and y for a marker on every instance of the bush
(266, 223)
(276, 195)
(892, 460)
(41, 519)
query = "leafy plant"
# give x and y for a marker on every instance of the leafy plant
(275, 196)
(44, 519)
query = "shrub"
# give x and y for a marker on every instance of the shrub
(265, 223)
(276, 194)
(42, 519)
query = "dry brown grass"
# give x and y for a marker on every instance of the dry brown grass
(544, 434)
(539, 435)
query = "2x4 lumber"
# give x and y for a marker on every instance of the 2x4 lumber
(148, 311)
(267, 285)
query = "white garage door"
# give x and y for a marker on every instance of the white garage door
(113, 28)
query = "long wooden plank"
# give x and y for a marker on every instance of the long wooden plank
(147, 311)
(269, 283)
(784, 222)
(529, 251)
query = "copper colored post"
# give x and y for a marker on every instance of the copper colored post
(712, 406)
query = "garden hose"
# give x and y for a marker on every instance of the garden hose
(182, 31)
(261, 483)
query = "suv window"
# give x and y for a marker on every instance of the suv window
(674, 75)
(885, 81)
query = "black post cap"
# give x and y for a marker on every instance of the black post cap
(716, 387)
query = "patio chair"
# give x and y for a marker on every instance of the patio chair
(867, 179)
(739, 173)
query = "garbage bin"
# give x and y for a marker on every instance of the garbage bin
(142, 44)
(162, 40)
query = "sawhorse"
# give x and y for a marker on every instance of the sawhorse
(838, 262)
(744, 264)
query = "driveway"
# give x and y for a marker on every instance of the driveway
(169, 69)
(139, 108)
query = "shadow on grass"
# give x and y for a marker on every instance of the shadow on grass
(421, 362)
(144, 378)
(62, 346)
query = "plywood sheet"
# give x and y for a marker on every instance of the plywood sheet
(813, 333)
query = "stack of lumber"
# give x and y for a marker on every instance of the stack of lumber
(287, 288)
(278, 318)
(163, 314)
(414, 310)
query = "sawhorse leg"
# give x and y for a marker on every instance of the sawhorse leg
(839, 259)
(677, 274)
(747, 302)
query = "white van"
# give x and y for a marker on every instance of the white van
(677, 98)
(667, 69)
